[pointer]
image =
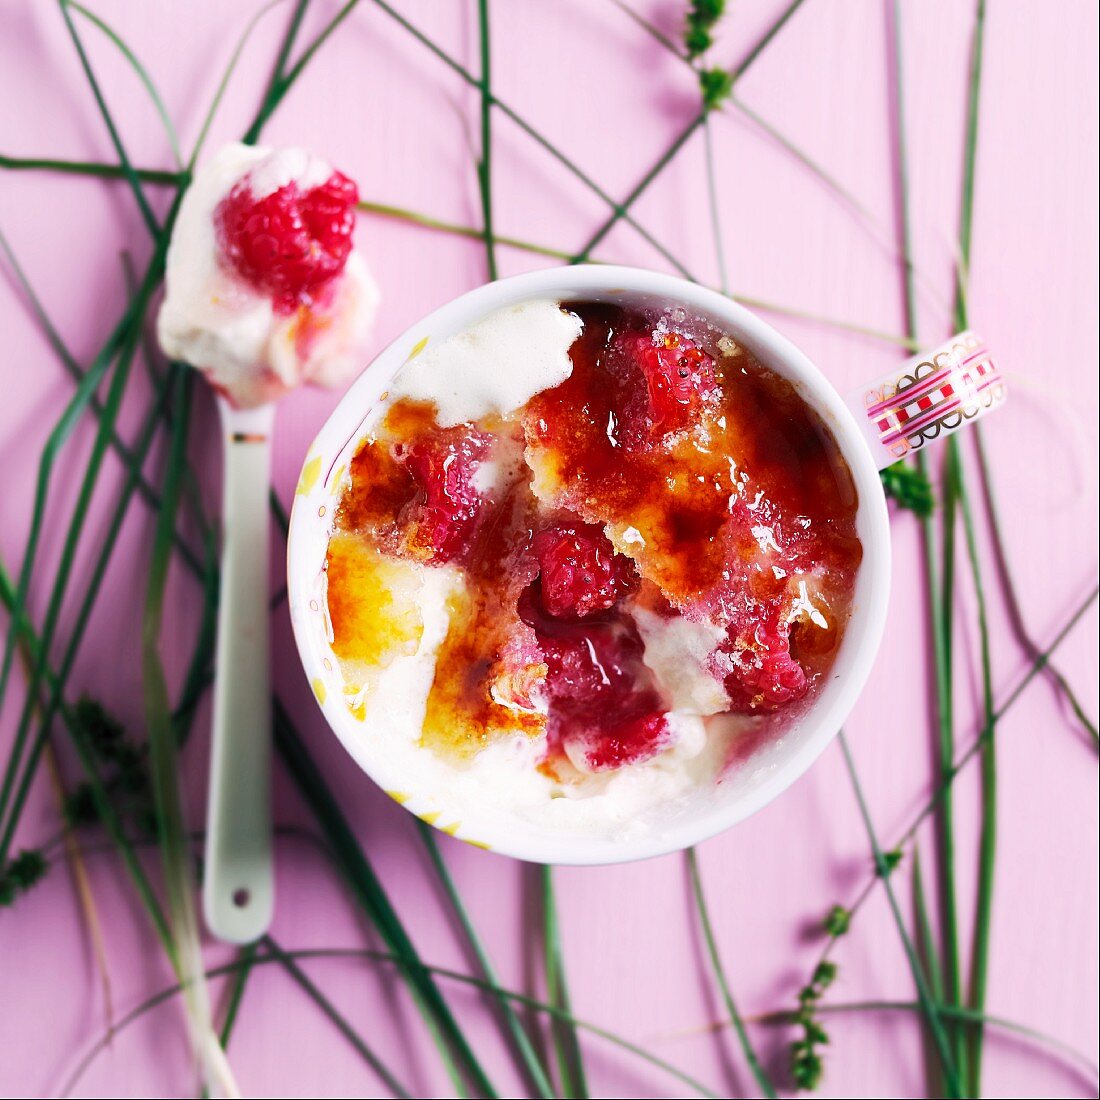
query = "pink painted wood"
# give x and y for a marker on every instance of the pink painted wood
(394, 118)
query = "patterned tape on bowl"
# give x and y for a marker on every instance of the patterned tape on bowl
(928, 396)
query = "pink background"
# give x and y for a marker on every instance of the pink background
(393, 117)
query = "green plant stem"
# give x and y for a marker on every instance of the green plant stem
(64, 569)
(368, 890)
(945, 823)
(924, 993)
(125, 453)
(963, 1015)
(394, 959)
(104, 807)
(57, 438)
(712, 199)
(163, 758)
(1008, 586)
(524, 1049)
(940, 599)
(987, 847)
(621, 209)
(124, 160)
(345, 1029)
(234, 57)
(142, 73)
(484, 164)
(427, 221)
(929, 807)
(275, 91)
(762, 1080)
(571, 1073)
(577, 172)
(87, 168)
(245, 958)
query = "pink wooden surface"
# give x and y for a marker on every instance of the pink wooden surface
(393, 117)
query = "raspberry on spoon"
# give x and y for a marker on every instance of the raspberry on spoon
(290, 243)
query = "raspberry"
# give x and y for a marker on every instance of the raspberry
(289, 244)
(763, 676)
(579, 572)
(445, 513)
(603, 706)
(679, 376)
(628, 742)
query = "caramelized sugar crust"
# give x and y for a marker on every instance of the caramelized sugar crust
(725, 490)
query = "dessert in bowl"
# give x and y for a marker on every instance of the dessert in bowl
(589, 565)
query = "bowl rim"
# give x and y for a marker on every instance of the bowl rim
(863, 634)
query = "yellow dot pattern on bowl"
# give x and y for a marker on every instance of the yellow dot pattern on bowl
(418, 347)
(311, 471)
(319, 690)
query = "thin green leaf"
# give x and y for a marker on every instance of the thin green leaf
(484, 164)
(571, 1073)
(245, 958)
(681, 139)
(176, 864)
(104, 806)
(142, 75)
(360, 876)
(763, 1081)
(231, 68)
(124, 160)
(342, 1025)
(928, 1003)
(86, 168)
(395, 959)
(520, 1040)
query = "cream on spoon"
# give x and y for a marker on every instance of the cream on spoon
(264, 292)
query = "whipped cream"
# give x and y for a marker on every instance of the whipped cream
(217, 322)
(494, 368)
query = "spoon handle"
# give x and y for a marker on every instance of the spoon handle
(238, 891)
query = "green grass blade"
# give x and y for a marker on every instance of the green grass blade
(520, 1040)
(1069, 1054)
(382, 956)
(176, 861)
(342, 1025)
(763, 1081)
(104, 806)
(124, 160)
(126, 454)
(245, 958)
(924, 992)
(566, 1045)
(268, 101)
(231, 67)
(95, 169)
(64, 568)
(681, 139)
(140, 70)
(69, 546)
(57, 438)
(484, 164)
(924, 939)
(360, 876)
(281, 81)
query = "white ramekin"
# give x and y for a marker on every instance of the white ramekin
(774, 767)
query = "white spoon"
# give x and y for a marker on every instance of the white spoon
(238, 888)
